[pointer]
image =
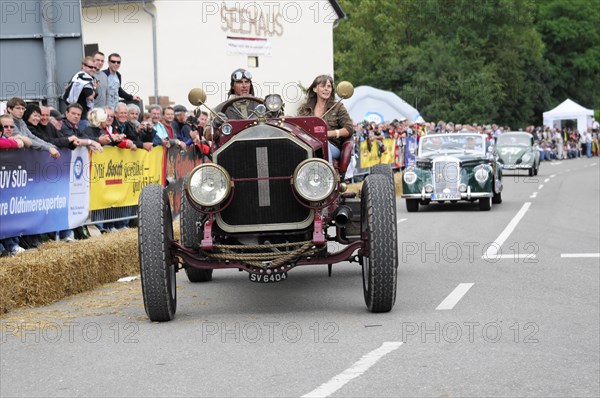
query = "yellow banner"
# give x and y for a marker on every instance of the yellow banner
(118, 175)
(371, 158)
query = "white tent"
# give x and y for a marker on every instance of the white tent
(372, 104)
(569, 110)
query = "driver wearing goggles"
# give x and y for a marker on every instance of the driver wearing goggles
(241, 86)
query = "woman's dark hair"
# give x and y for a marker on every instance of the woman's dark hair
(307, 108)
(31, 108)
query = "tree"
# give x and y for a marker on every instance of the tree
(571, 33)
(454, 59)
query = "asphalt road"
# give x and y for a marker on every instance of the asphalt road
(519, 320)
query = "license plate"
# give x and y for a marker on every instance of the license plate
(442, 196)
(268, 278)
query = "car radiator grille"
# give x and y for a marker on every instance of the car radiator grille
(446, 178)
(260, 203)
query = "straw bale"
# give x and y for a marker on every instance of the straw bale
(58, 269)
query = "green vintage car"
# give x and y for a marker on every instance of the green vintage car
(453, 167)
(518, 151)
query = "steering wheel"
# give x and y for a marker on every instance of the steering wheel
(232, 101)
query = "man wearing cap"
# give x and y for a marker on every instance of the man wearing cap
(181, 129)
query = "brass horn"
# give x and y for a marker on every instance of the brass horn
(345, 90)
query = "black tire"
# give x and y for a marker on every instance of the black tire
(497, 198)
(378, 224)
(485, 204)
(531, 172)
(412, 205)
(157, 267)
(535, 170)
(385, 170)
(190, 237)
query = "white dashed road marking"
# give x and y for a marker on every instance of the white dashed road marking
(454, 297)
(492, 250)
(533, 195)
(401, 220)
(580, 255)
(359, 367)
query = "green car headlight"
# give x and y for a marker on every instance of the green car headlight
(481, 175)
(209, 185)
(314, 179)
(410, 177)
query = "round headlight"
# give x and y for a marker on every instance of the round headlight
(410, 177)
(526, 157)
(481, 175)
(209, 185)
(462, 188)
(429, 188)
(314, 179)
(226, 128)
(273, 102)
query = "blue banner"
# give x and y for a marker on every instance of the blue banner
(39, 194)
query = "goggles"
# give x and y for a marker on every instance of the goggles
(241, 74)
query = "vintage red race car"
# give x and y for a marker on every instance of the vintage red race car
(269, 202)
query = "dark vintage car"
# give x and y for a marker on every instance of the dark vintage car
(518, 151)
(453, 167)
(267, 203)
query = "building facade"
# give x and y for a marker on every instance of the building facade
(170, 46)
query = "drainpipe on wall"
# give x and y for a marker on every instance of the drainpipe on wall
(48, 39)
(154, 52)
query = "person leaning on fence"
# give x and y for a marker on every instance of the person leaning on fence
(98, 129)
(16, 108)
(71, 125)
(320, 99)
(133, 114)
(146, 130)
(47, 133)
(122, 126)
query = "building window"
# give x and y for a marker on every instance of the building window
(90, 49)
(252, 61)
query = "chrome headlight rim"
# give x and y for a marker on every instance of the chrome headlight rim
(481, 175)
(274, 102)
(296, 179)
(217, 200)
(410, 177)
(527, 158)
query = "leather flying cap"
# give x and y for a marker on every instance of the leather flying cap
(239, 74)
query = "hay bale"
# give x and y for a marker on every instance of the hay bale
(58, 269)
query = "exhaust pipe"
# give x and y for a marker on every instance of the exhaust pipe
(342, 215)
